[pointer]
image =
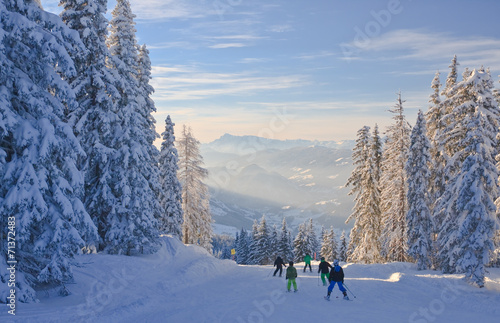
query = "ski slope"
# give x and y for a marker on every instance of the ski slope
(185, 284)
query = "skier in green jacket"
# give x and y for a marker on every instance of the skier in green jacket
(291, 274)
(307, 260)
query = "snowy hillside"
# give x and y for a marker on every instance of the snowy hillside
(185, 284)
(251, 176)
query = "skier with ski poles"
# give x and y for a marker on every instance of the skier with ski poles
(336, 277)
(324, 269)
(291, 274)
(279, 265)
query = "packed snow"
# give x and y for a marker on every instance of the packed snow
(185, 283)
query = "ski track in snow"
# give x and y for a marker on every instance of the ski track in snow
(185, 284)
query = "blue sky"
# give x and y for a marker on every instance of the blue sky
(290, 69)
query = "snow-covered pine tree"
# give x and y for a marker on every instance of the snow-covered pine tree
(131, 226)
(285, 249)
(470, 221)
(364, 245)
(171, 190)
(94, 120)
(343, 255)
(242, 251)
(376, 156)
(41, 185)
(261, 245)
(329, 246)
(253, 252)
(434, 128)
(197, 222)
(313, 244)
(360, 157)
(394, 186)
(273, 243)
(419, 221)
(300, 243)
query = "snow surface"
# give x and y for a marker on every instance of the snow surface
(186, 284)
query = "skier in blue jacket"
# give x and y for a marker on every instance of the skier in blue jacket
(336, 277)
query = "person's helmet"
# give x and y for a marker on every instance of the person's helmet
(290, 263)
(336, 262)
(322, 258)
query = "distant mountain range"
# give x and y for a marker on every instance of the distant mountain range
(297, 179)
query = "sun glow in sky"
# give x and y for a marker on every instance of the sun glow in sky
(290, 69)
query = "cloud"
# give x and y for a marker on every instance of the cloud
(281, 28)
(168, 9)
(313, 56)
(180, 83)
(227, 45)
(409, 44)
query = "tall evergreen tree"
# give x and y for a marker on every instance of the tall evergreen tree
(242, 248)
(300, 245)
(41, 185)
(95, 119)
(467, 208)
(253, 254)
(285, 249)
(329, 248)
(419, 222)
(343, 252)
(394, 186)
(435, 127)
(312, 240)
(273, 243)
(132, 224)
(360, 157)
(365, 244)
(261, 246)
(171, 190)
(197, 222)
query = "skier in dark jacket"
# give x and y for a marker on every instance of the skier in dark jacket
(324, 269)
(336, 277)
(278, 263)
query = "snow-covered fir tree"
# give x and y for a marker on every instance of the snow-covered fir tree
(419, 221)
(197, 221)
(360, 157)
(470, 219)
(314, 245)
(242, 248)
(253, 252)
(343, 253)
(364, 245)
(285, 249)
(261, 244)
(329, 246)
(171, 190)
(300, 243)
(273, 243)
(394, 186)
(131, 226)
(95, 119)
(41, 186)
(434, 128)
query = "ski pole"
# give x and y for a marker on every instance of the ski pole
(349, 290)
(318, 279)
(270, 272)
